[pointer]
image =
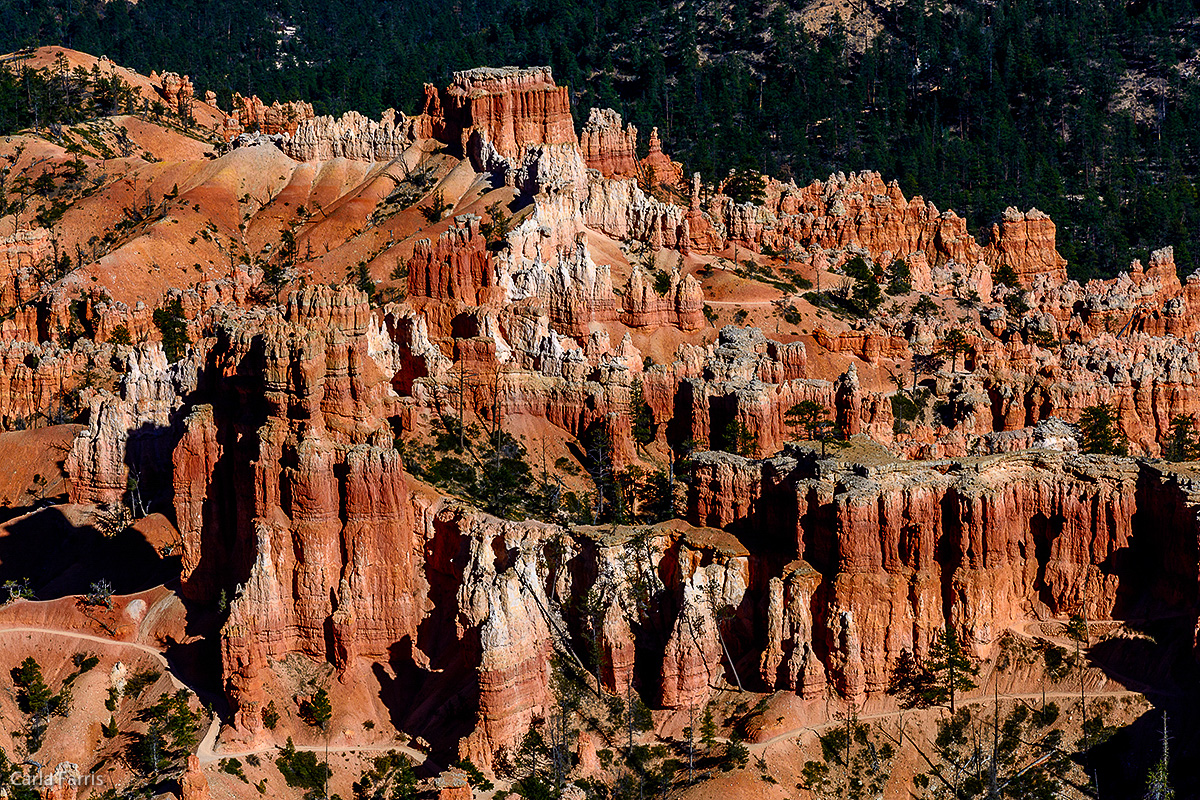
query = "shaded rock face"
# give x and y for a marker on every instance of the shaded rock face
(888, 557)
(179, 93)
(290, 497)
(608, 147)
(251, 114)
(510, 109)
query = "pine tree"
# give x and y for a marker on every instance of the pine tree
(642, 416)
(805, 415)
(1005, 275)
(954, 343)
(946, 672)
(899, 277)
(318, 711)
(1183, 444)
(172, 325)
(1158, 781)
(854, 764)
(1099, 431)
(360, 274)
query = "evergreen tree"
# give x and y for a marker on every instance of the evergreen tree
(865, 294)
(390, 777)
(739, 439)
(855, 762)
(953, 344)
(1099, 432)
(1158, 781)
(745, 186)
(1183, 445)
(317, 711)
(939, 679)
(642, 416)
(924, 307)
(806, 415)
(1005, 275)
(172, 325)
(1013, 756)
(360, 274)
(899, 277)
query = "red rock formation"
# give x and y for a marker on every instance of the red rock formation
(901, 553)
(452, 785)
(510, 109)
(656, 169)
(251, 114)
(860, 210)
(179, 92)
(682, 306)
(1025, 242)
(607, 147)
(193, 785)
(458, 268)
(623, 211)
(868, 345)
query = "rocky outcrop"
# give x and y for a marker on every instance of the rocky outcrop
(352, 136)
(193, 785)
(504, 110)
(682, 305)
(179, 93)
(123, 453)
(898, 552)
(620, 209)
(251, 114)
(607, 147)
(457, 268)
(453, 785)
(656, 169)
(1025, 242)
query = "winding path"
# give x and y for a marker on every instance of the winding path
(970, 701)
(206, 749)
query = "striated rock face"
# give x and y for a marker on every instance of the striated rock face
(251, 114)
(1025, 242)
(453, 785)
(899, 553)
(179, 92)
(612, 151)
(288, 488)
(619, 208)
(125, 447)
(352, 136)
(507, 108)
(681, 306)
(457, 268)
(608, 147)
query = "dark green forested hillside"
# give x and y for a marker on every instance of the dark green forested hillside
(1088, 110)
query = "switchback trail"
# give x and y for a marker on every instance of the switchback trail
(205, 749)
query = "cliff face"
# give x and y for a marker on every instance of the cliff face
(251, 114)
(896, 554)
(607, 147)
(510, 109)
(352, 136)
